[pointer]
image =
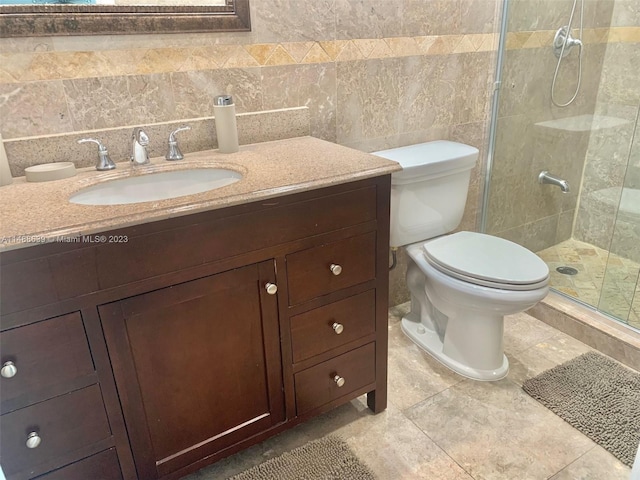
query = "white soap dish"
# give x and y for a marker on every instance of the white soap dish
(50, 171)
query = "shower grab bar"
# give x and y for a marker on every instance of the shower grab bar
(546, 177)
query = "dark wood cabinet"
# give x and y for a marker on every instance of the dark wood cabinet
(198, 337)
(200, 361)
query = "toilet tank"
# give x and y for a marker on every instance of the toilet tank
(429, 194)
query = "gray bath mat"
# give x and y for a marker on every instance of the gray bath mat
(596, 395)
(329, 458)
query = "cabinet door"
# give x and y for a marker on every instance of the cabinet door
(197, 366)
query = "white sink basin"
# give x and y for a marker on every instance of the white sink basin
(155, 186)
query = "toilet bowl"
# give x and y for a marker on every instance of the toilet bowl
(461, 284)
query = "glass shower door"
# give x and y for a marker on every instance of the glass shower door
(620, 295)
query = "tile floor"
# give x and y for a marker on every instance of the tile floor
(441, 426)
(606, 281)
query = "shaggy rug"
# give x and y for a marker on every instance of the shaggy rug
(596, 395)
(328, 458)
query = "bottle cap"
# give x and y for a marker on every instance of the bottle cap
(223, 100)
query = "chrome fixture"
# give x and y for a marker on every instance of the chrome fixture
(271, 288)
(335, 269)
(563, 42)
(564, 39)
(139, 143)
(546, 177)
(340, 381)
(104, 161)
(174, 152)
(338, 328)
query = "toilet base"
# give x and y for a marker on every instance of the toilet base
(430, 342)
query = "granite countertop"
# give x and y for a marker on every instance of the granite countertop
(34, 213)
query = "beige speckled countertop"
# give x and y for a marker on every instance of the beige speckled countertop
(32, 213)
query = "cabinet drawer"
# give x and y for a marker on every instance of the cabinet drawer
(102, 466)
(310, 271)
(64, 425)
(332, 325)
(318, 385)
(48, 356)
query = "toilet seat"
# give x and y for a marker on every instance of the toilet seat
(486, 261)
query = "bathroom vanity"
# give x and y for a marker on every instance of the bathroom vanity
(174, 334)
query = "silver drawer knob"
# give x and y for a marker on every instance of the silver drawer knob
(8, 370)
(339, 380)
(335, 269)
(33, 440)
(338, 328)
(271, 288)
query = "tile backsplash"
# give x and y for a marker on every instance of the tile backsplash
(371, 74)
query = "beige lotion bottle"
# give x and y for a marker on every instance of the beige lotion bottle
(224, 111)
(5, 172)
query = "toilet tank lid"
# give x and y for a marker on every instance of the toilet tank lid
(430, 158)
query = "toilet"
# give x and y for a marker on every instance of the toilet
(462, 284)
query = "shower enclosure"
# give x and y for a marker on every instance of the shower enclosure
(590, 235)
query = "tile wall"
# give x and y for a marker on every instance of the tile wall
(613, 154)
(374, 74)
(587, 143)
(532, 134)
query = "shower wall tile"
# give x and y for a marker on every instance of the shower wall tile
(36, 108)
(625, 241)
(514, 146)
(565, 226)
(541, 233)
(515, 234)
(599, 13)
(619, 82)
(595, 222)
(626, 14)
(507, 204)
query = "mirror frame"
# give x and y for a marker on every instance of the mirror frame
(50, 20)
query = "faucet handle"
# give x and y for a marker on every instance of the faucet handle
(104, 161)
(174, 153)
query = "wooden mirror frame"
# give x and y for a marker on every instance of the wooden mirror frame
(49, 20)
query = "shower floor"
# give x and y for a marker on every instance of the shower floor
(615, 290)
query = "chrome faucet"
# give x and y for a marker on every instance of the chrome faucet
(104, 161)
(139, 143)
(546, 177)
(174, 153)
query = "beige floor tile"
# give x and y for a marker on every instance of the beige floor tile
(460, 429)
(396, 449)
(522, 331)
(417, 375)
(545, 355)
(596, 464)
(494, 430)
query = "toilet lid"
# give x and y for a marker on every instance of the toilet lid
(487, 260)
